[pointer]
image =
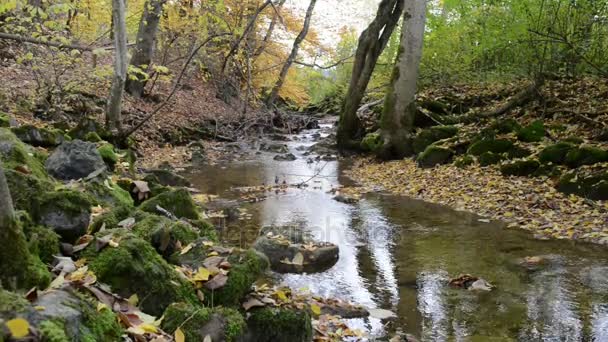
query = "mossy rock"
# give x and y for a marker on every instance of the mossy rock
(39, 136)
(434, 155)
(108, 193)
(88, 125)
(586, 155)
(428, 136)
(5, 120)
(534, 132)
(110, 219)
(11, 303)
(42, 241)
(490, 145)
(92, 137)
(593, 186)
(26, 189)
(134, 267)
(247, 267)
(178, 202)
(279, 325)
(556, 153)
(518, 152)
(503, 126)
(464, 161)
(221, 324)
(574, 140)
(520, 168)
(66, 211)
(168, 178)
(371, 142)
(17, 155)
(490, 158)
(163, 233)
(106, 151)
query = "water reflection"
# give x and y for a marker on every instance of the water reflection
(399, 254)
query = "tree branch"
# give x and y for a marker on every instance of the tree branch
(315, 65)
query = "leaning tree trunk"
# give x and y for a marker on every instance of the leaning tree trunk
(274, 93)
(371, 44)
(144, 47)
(113, 120)
(397, 121)
(273, 22)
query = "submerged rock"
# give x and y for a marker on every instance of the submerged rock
(73, 160)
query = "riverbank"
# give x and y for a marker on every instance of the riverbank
(532, 204)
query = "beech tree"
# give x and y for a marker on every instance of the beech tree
(113, 119)
(274, 93)
(397, 120)
(372, 42)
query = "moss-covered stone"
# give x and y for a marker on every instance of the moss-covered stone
(434, 155)
(593, 185)
(134, 267)
(586, 155)
(168, 178)
(280, 325)
(428, 136)
(17, 155)
(178, 202)
(111, 218)
(490, 145)
(5, 120)
(53, 331)
(100, 326)
(221, 324)
(106, 151)
(556, 153)
(109, 194)
(11, 303)
(43, 242)
(464, 161)
(371, 142)
(86, 126)
(503, 126)
(534, 132)
(26, 189)
(39, 136)
(520, 168)
(92, 137)
(518, 152)
(490, 158)
(66, 211)
(163, 233)
(574, 140)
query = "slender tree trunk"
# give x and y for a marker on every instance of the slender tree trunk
(371, 44)
(397, 121)
(144, 47)
(113, 112)
(273, 22)
(274, 93)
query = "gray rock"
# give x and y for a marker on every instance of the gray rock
(62, 305)
(274, 147)
(73, 160)
(67, 212)
(285, 157)
(282, 255)
(68, 226)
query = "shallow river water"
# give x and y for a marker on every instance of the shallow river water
(399, 254)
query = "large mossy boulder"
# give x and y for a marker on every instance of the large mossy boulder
(434, 155)
(490, 145)
(520, 168)
(106, 151)
(279, 325)
(73, 160)
(66, 211)
(18, 156)
(27, 189)
(134, 267)
(164, 234)
(534, 132)
(556, 153)
(220, 324)
(430, 135)
(108, 193)
(593, 185)
(586, 155)
(178, 202)
(490, 158)
(38, 136)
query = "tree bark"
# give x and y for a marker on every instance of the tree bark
(273, 22)
(145, 44)
(113, 111)
(371, 44)
(274, 93)
(397, 121)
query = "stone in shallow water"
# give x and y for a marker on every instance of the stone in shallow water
(285, 157)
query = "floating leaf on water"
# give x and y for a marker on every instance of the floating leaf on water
(18, 327)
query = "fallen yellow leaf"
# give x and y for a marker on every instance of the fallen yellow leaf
(179, 335)
(18, 327)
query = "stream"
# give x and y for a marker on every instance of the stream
(399, 254)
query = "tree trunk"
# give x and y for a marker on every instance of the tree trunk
(371, 44)
(273, 22)
(292, 56)
(113, 112)
(397, 121)
(144, 47)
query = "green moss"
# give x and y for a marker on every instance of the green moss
(107, 154)
(53, 331)
(87, 125)
(163, 233)
(586, 155)
(555, 153)
(520, 168)
(38, 136)
(574, 140)
(26, 189)
(43, 242)
(235, 323)
(274, 324)
(135, 267)
(15, 153)
(490, 145)
(178, 202)
(490, 158)
(189, 317)
(111, 218)
(101, 326)
(464, 161)
(504, 126)
(371, 142)
(428, 136)
(5, 120)
(11, 302)
(593, 186)
(434, 155)
(109, 194)
(518, 152)
(92, 137)
(533, 132)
